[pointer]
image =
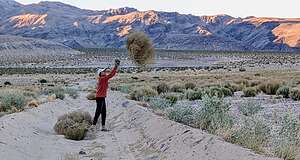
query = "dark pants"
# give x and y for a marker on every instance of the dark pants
(101, 109)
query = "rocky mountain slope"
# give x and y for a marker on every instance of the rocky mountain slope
(77, 28)
(20, 50)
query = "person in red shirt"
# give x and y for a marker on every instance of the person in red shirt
(102, 85)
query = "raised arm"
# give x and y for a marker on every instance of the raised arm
(114, 70)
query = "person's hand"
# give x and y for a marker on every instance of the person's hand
(117, 63)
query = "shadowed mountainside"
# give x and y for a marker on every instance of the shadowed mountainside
(78, 28)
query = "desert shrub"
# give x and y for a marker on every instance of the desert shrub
(140, 48)
(11, 99)
(43, 81)
(177, 87)
(214, 115)
(249, 92)
(243, 83)
(142, 93)
(252, 134)
(125, 88)
(242, 69)
(232, 86)
(160, 103)
(214, 91)
(73, 125)
(162, 88)
(7, 83)
(172, 97)
(182, 114)
(295, 94)
(72, 92)
(249, 108)
(289, 139)
(190, 85)
(269, 87)
(226, 92)
(193, 95)
(58, 91)
(287, 152)
(284, 91)
(290, 128)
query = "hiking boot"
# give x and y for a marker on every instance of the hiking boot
(104, 129)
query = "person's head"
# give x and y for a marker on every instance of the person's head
(103, 72)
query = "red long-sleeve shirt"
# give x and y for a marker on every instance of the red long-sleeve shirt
(102, 84)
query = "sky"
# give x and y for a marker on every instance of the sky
(236, 8)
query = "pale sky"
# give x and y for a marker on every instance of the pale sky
(236, 8)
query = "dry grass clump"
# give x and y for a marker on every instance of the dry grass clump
(59, 92)
(288, 152)
(172, 97)
(177, 87)
(270, 87)
(142, 93)
(232, 86)
(249, 92)
(162, 88)
(140, 48)
(295, 94)
(73, 125)
(190, 85)
(71, 156)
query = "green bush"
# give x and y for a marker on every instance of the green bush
(11, 99)
(177, 87)
(142, 93)
(295, 94)
(190, 85)
(172, 97)
(73, 125)
(232, 86)
(249, 92)
(249, 108)
(125, 88)
(160, 103)
(182, 114)
(284, 91)
(269, 87)
(253, 134)
(162, 88)
(214, 115)
(214, 91)
(290, 128)
(193, 95)
(288, 138)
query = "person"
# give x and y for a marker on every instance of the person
(103, 76)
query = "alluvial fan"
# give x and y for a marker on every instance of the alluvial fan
(140, 48)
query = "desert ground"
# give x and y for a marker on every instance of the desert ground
(158, 111)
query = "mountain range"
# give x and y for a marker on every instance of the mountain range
(78, 28)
